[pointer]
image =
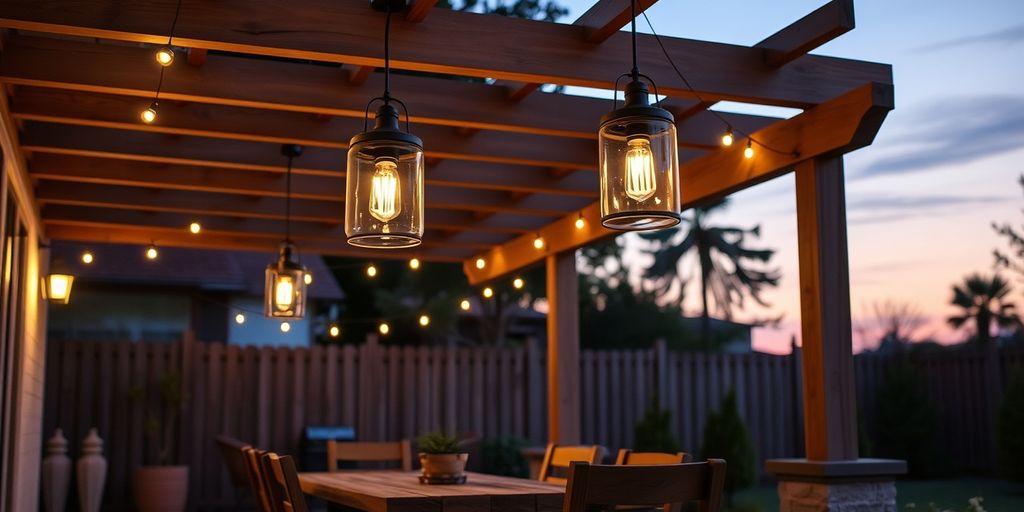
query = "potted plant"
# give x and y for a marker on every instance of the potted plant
(162, 487)
(441, 459)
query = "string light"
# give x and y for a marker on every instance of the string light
(424, 320)
(195, 228)
(87, 257)
(538, 243)
(464, 305)
(334, 331)
(580, 223)
(308, 278)
(728, 138)
(748, 153)
(285, 326)
(414, 263)
(240, 319)
(151, 252)
(384, 328)
(518, 283)
(165, 56)
(480, 263)
(149, 115)
(488, 292)
(371, 271)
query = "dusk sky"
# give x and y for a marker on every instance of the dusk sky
(943, 168)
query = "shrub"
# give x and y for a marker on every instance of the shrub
(1010, 429)
(654, 431)
(726, 437)
(906, 421)
(438, 443)
(503, 456)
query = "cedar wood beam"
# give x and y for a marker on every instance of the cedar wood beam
(839, 126)
(348, 32)
(817, 28)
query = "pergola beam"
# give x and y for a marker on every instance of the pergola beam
(804, 35)
(533, 51)
(844, 124)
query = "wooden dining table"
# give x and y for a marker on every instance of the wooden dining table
(401, 491)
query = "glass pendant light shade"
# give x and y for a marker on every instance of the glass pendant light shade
(384, 186)
(57, 284)
(639, 165)
(285, 291)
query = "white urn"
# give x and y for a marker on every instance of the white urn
(56, 473)
(92, 473)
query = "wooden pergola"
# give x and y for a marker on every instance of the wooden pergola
(506, 163)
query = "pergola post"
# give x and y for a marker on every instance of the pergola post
(563, 348)
(831, 477)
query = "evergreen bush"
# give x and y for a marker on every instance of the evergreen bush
(726, 437)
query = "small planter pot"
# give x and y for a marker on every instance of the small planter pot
(161, 488)
(443, 468)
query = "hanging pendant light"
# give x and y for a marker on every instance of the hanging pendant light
(384, 182)
(285, 291)
(638, 158)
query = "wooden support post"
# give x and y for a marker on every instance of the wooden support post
(830, 411)
(563, 349)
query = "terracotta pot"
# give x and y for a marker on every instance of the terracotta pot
(443, 465)
(161, 488)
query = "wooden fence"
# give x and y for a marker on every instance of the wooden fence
(267, 396)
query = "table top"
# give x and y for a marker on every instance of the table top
(400, 491)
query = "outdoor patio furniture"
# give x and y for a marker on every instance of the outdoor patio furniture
(283, 483)
(653, 485)
(392, 490)
(232, 451)
(557, 459)
(257, 480)
(628, 457)
(398, 451)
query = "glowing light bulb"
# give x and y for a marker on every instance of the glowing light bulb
(424, 320)
(727, 139)
(307, 278)
(284, 292)
(149, 115)
(464, 305)
(151, 252)
(518, 283)
(580, 223)
(371, 271)
(165, 56)
(488, 292)
(285, 326)
(640, 180)
(748, 153)
(60, 287)
(195, 228)
(414, 263)
(239, 319)
(87, 257)
(334, 331)
(538, 243)
(385, 203)
(480, 263)
(384, 329)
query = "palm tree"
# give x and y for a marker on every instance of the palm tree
(982, 300)
(724, 261)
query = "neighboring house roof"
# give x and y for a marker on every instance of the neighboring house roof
(206, 269)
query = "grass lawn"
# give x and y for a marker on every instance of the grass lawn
(1000, 495)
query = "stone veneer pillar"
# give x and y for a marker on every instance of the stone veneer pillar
(861, 485)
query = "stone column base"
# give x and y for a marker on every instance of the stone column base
(860, 485)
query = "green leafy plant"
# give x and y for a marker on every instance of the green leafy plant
(1010, 429)
(436, 443)
(906, 421)
(504, 456)
(654, 431)
(162, 414)
(726, 437)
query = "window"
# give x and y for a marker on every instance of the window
(12, 290)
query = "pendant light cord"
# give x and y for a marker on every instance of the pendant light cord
(288, 202)
(387, 56)
(635, 73)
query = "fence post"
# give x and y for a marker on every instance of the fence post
(370, 406)
(534, 396)
(185, 434)
(661, 373)
(994, 392)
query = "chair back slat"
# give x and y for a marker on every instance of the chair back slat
(628, 457)
(285, 491)
(558, 458)
(399, 451)
(613, 485)
(257, 480)
(234, 459)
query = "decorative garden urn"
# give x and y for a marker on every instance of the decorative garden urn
(92, 473)
(56, 473)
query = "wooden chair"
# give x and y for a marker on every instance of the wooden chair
(559, 457)
(399, 451)
(628, 457)
(283, 483)
(610, 486)
(257, 479)
(231, 450)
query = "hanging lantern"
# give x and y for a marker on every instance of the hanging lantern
(638, 159)
(284, 293)
(384, 177)
(57, 284)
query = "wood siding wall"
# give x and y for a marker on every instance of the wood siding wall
(266, 396)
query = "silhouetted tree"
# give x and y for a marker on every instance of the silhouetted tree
(982, 301)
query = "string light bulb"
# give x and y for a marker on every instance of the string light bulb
(384, 328)
(480, 263)
(464, 305)
(334, 331)
(239, 319)
(148, 116)
(308, 278)
(371, 271)
(424, 320)
(727, 138)
(414, 263)
(518, 283)
(748, 152)
(165, 56)
(87, 257)
(580, 223)
(285, 326)
(195, 228)
(488, 292)
(538, 243)
(151, 252)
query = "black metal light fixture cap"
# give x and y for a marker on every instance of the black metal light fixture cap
(388, 5)
(386, 128)
(291, 150)
(286, 257)
(637, 104)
